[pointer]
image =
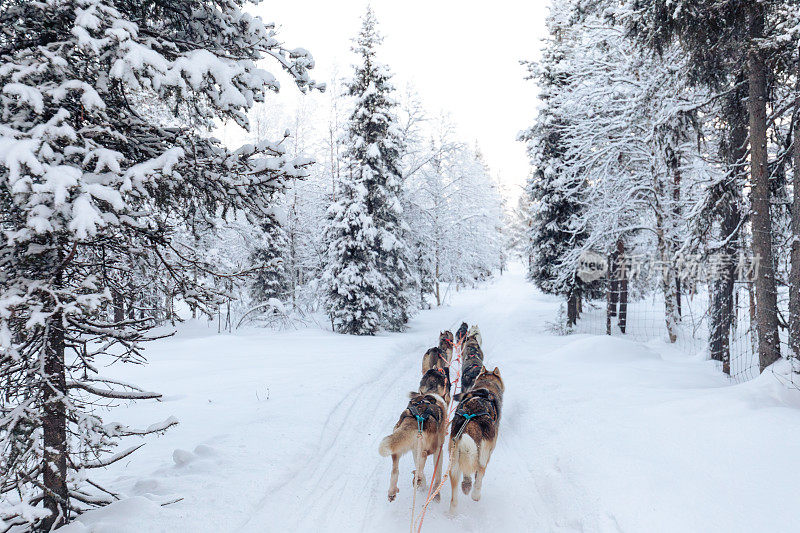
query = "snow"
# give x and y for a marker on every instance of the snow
(85, 217)
(26, 94)
(279, 431)
(373, 151)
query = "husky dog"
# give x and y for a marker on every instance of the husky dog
(446, 344)
(472, 363)
(473, 434)
(422, 430)
(475, 333)
(434, 358)
(435, 381)
(473, 340)
(462, 332)
(469, 373)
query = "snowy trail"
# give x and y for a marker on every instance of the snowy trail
(345, 483)
(598, 434)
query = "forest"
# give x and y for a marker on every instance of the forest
(665, 142)
(660, 211)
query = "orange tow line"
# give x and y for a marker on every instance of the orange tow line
(457, 353)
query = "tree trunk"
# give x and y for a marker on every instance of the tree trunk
(613, 281)
(722, 318)
(192, 305)
(118, 303)
(794, 274)
(572, 309)
(622, 276)
(723, 311)
(131, 306)
(612, 291)
(54, 424)
(670, 309)
(438, 295)
(664, 248)
(766, 293)
(623, 302)
(675, 168)
(751, 305)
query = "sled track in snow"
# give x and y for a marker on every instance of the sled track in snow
(346, 463)
(343, 486)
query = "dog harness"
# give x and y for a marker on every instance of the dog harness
(480, 394)
(422, 409)
(465, 373)
(472, 366)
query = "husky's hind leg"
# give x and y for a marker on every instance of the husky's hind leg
(437, 474)
(466, 483)
(484, 454)
(419, 463)
(393, 490)
(455, 473)
(476, 490)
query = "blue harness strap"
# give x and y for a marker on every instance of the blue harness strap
(467, 417)
(470, 417)
(420, 418)
(420, 422)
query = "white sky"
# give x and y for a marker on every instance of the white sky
(461, 56)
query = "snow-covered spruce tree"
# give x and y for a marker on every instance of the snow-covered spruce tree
(271, 279)
(555, 195)
(85, 173)
(352, 281)
(366, 273)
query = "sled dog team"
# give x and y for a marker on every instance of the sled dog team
(422, 428)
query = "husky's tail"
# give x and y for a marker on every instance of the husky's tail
(398, 442)
(465, 455)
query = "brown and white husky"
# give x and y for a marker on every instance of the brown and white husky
(422, 430)
(473, 434)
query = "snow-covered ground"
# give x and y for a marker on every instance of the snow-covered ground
(280, 431)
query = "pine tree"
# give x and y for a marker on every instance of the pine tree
(271, 279)
(87, 171)
(555, 195)
(367, 271)
(353, 282)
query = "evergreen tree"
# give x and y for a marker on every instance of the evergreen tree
(271, 279)
(88, 172)
(353, 282)
(554, 193)
(367, 271)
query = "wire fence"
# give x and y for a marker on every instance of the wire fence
(642, 319)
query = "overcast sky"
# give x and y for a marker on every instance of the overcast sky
(461, 56)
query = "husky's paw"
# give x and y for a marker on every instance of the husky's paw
(452, 511)
(476, 495)
(437, 497)
(420, 482)
(393, 494)
(466, 484)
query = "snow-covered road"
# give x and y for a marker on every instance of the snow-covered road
(279, 432)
